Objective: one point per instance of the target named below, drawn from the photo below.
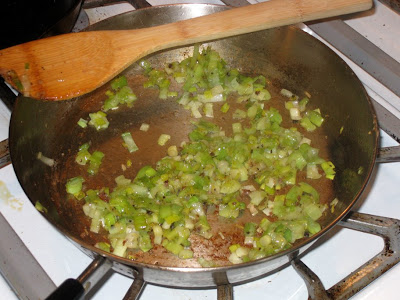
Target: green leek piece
(228, 211)
(144, 241)
(140, 222)
(146, 171)
(203, 227)
(83, 155)
(230, 186)
(74, 185)
(313, 211)
(123, 95)
(82, 123)
(303, 103)
(109, 220)
(265, 241)
(329, 169)
(225, 108)
(129, 143)
(293, 195)
(165, 211)
(257, 197)
(173, 247)
(264, 224)
(310, 154)
(307, 188)
(144, 127)
(13, 77)
(239, 114)
(206, 263)
(185, 254)
(122, 205)
(103, 246)
(95, 162)
(315, 117)
(118, 83)
(307, 124)
(297, 158)
(145, 65)
(98, 120)
(40, 207)
(163, 139)
(122, 181)
(250, 229)
(313, 227)
(312, 171)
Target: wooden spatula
(70, 65)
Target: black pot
(22, 21)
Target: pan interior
(288, 57)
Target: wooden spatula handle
(70, 65)
(265, 15)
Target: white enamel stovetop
(333, 259)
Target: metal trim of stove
(387, 228)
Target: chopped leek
(74, 185)
(129, 143)
(121, 94)
(163, 139)
(95, 162)
(329, 169)
(40, 207)
(82, 123)
(118, 83)
(258, 167)
(144, 127)
(83, 155)
(225, 108)
(98, 120)
(46, 160)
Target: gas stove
(332, 258)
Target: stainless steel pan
(287, 56)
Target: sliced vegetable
(258, 167)
(144, 127)
(74, 185)
(82, 123)
(83, 155)
(163, 139)
(46, 160)
(129, 143)
(95, 162)
(98, 120)
(121, 94)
